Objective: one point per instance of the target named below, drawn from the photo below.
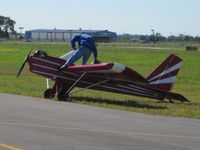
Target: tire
(48, 94)
(63, 97)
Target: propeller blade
(22, 67)
(23, 64)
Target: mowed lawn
(143, 60)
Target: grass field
(140, 58)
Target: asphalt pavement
(28, 123)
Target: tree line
(6, 27)
(157, 37)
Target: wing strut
(74, 83)
(89, 86)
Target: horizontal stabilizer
(176, 96)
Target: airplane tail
(164, 75)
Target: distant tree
(143, 38)
(124, 37)
(197, 38)
(181, 37)
(159, 37)
(6, 26)
(153, 38)
(156, 37)
(162, 38)
(189, 38)
(171, 38)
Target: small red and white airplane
(110, 77)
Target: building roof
(60, 30)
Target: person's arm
(95, 52)
(74, 40)
(94, 49)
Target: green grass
(141, 59)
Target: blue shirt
(84, 40)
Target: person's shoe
(61, 68)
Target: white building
(56, 35)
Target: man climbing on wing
(86, 46)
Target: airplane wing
(48, 67)
(109, 70)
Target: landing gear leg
(49, 93)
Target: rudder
(164, 75)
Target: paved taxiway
(28, 123)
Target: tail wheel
(48, 94)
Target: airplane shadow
(116, 102)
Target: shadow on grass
(128, 103)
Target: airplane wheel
(62, 97)
(48, 94)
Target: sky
(168, 17)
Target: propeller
(23, 64)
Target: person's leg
(77, 54)
(87, 53)
(67, 55)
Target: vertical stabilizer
(164, 75)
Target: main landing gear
(61, 95)
(58, 89)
